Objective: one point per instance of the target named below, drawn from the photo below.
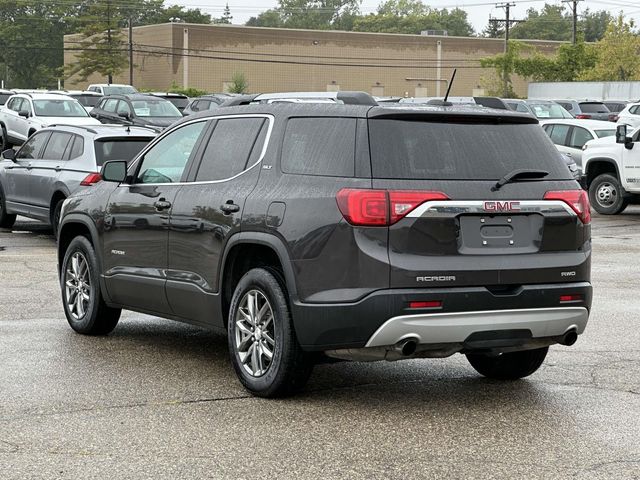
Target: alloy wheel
(255, 333)
(77, 285)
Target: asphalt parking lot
(157, 399)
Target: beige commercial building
(207, 56)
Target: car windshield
(119, 148)
(594, 107)
(119, 90)
(436, 150)
(155, 108)
(605, 133)
(88, 100)
(549, 110)
(59, 108)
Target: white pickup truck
(611, 168)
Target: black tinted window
(118, 148)
(594, 108)
(33, 147)
(56, 147)
(320, 146)
(408, 149)
(229, 147)
(4, 97)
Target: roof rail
(88, 129)
(347, 98)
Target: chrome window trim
(270, 118)
(477, 206)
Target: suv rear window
(320, 146)
(118, 148)
(594, 107)
(409, 149)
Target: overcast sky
(478, 10)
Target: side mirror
(24, 113)
(621, 136)
(9, 154)
(125, 115)
(114, 171)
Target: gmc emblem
(501, 206)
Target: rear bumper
(459, 327)
(384, 317)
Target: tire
(4, 140)
(55, 217)
(6, 220)
(508, 366)
(289, 368)
(605, 195)
(89, 316)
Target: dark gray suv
(55, 162)
(358, 232)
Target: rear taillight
(570, 298)
(576, 199)
(91, 179)
(614, 117)
(380, 208)
(427, 304)
(583, 116)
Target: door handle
(58, 168)
(230, 207)
(162, 204)
(568, 154)
(29, 167)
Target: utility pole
(507, 26)
(574, 9)
(110, 77)
(130, 52)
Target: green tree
(310, 14)
(567, 65)
(164, 15)
(504, 64)
(594, 25)
(617, 55)
(238, 83)
(226, 17)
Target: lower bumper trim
(456, 327)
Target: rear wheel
(262, 343)
(606, 196)
(81, 296)
(508, 366)
(6, 220)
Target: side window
(33, 147)
(166, 160)
(320, 146)
(566, 105)
(195, 106)
(579, 136)
(559, 134)
(13, 104)
(110, 105)
(77, 149)
(547, 129)
(228, 150)
(634, 110)
(206, 105)
(56, 146)
(123, 107)
(26, 105)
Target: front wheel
(81, 296)
(508, 366)
(6, 220)
(606, 196)
(264, 350)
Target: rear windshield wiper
(517, 175)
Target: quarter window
(123, 108)
(166, 160)
(33, 147)
(56, 146)
(320, 146)
(77, 149)
(228, 150)
(579, 136)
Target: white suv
(111, 89)
(630, 115)
(24, 114)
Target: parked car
(571, 135)
(4, 96)
(179, 101)
(587, 109)
(25, 113)
(630, 115)
(137, 109)
(572, 166)
(112, 89)
(489, 102)
(615, 106)
(541, 109)
(206, 102)
(612, 170)
(87, 99)
(55, 162)
(324, 229)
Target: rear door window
(229, 148)
(416, 149)
(559, 134)
(322, 146)
(77, 149)
(579, 136)
(56, 146)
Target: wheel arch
(58, 194)
(600, 165)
